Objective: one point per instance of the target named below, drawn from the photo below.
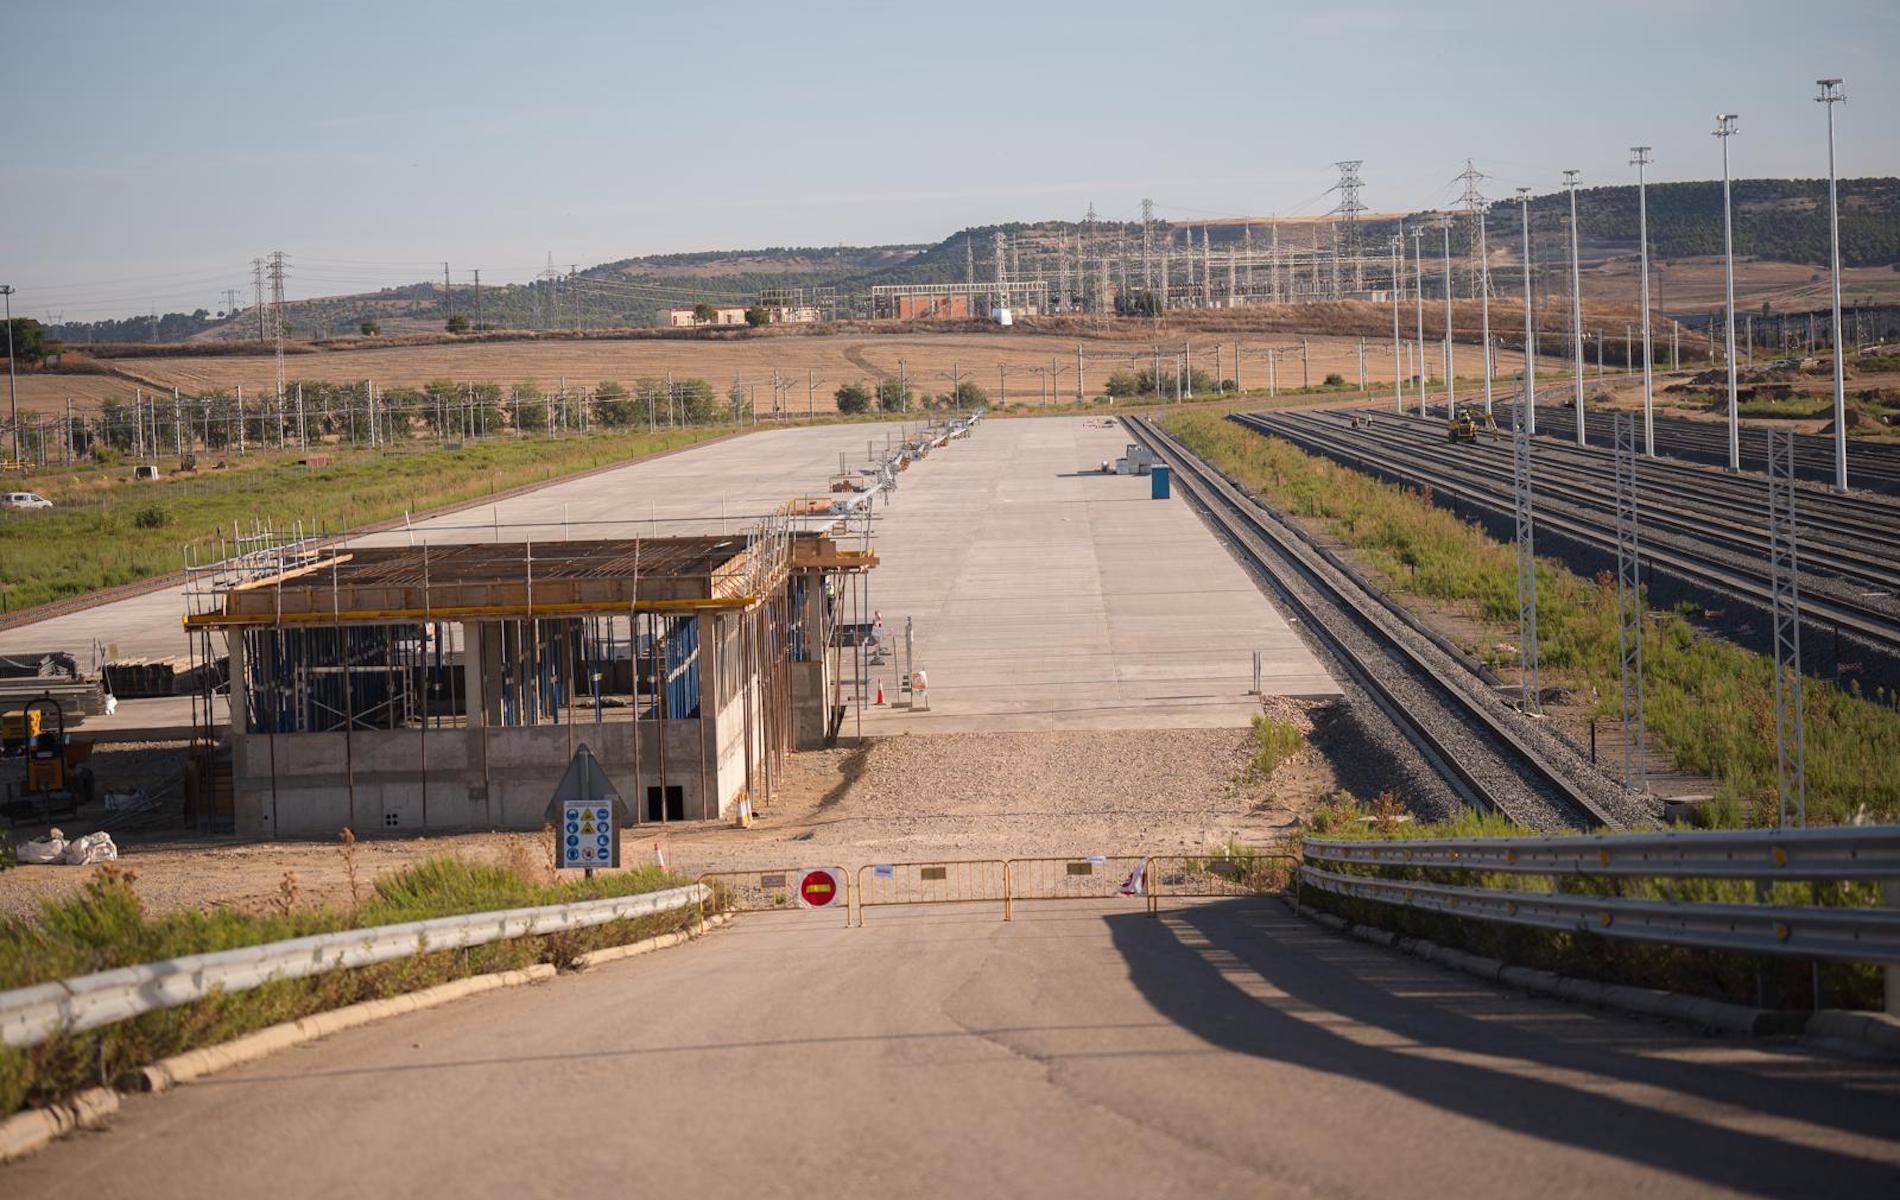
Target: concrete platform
(1046, 595)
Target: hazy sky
(157, 146)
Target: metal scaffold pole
(1629, 603)
(1529, 401)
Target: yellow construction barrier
(968, 881)
(773, 890)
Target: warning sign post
(586, 813)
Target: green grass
(104, 926)
(1795, 408)
(1732, 977)
(1707, 701)
(1274, 743)
(105, 532)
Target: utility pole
(278, 323)
(1484, 307)
(448, 296)
(478, 298)
(13, 399)
(1576, 305)
(1398, 378)
(1418, 295)
(1451, 398)
(1639, 158)
(1832, 94)
(257, 285)
(1725, 129)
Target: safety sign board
(586, 812)
(820, 887)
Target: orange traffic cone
(880, 691)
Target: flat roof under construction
(520, 579)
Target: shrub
(152, 516)
(852, 398)
(1335, 380)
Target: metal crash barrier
(971, 881)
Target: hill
(1776, 221)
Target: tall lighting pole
(12, 397)
(1398, 372)
(1576, 305)
(1451, 399)
(1484, 310)
(1529, 400)
(1418, 293)
(1831, 94)
(1725, 129)
(1639, 158)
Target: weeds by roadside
(104, 926)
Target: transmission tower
(230, 302)
(275, 268)
(1147, 244)
(1002, 273)
(1629, 603)
(969, 261)
(1785, 585)
(257, 287)
(1346, 228)
(1474, 203)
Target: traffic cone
(880, 692)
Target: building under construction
(409, 688)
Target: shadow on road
(1238, 974)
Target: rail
(31, 1015)
(1764, 858)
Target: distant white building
(724, 314)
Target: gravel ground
(920, 797)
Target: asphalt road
(1226, 1049)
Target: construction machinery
(1461, 427)
(57, 779)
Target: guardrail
(1835, 853)
(31, 1015)
(1762, 857)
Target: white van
(24, 500)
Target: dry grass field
(1027, 361)
(1696, 284)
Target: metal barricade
(1085, 877)
(1226, 873)
(972, 881)
(773, 890)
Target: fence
(1450, 876)
(31, 1015)
(973, 881)
(774, 889)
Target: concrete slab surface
(1044, 594)
(1086, 1049)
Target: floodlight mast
(1725, 129)
(1832, 94)
(1576, 305)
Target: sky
(157, 148)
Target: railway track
(1493, 757)
(1697, 529)
(1873, 466)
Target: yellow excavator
(1461, 426)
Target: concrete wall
(386, 782)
